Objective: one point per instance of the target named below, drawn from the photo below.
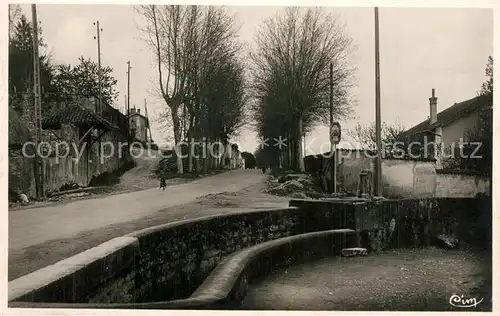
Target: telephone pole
(38, 106)
(98, 37)
(378, 169)
(147, 123)
(128, 100)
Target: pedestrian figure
(163, 183)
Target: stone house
(80, 143)
(448, 127)
(138, 125)
(98, 142)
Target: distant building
(138, 125)
(233, 158)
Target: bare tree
(291, 76)
(365, 135)
(191, 44)
(15, 13)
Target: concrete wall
(402, 178)
(170, 261)
(461, 185)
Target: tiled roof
(452, 113)
(76, 115)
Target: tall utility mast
(39, 179)
(128, 100)
(99, 86)
(378, 169)
(148, 126)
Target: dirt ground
(397, 280)
(37, 256)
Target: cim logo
(461, 302)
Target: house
(449, 127)
(138, 125)
(233, 158)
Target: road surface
(37, 225)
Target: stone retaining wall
(415, 222)
(175, 258)
(172, 260)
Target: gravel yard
(397, 280)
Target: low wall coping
(215, 288)
(186, 222)
(36, 280)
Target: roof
(453, 113)
(137, 113)
(18, 132)
(76, 115)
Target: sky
(420, 49)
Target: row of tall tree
(290, 81)
(59, 82)
(200, 78)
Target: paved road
(36, 225)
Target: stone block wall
(170, 261)
(175, 259)
(21, 174)
(411, 222)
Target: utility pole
(99, 83)
(128, 101)
(38, 106)
(378, 169)
(147, 122)
(99, 87)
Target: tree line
(211, 88)
(200, 79)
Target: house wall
(457, 129)
(139, 123)
(62, 168)
(86, 162)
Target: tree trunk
(300, 154)
(191, 143)
(206, 156)
(177, 137)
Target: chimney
(433, 108)
(139, 111)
